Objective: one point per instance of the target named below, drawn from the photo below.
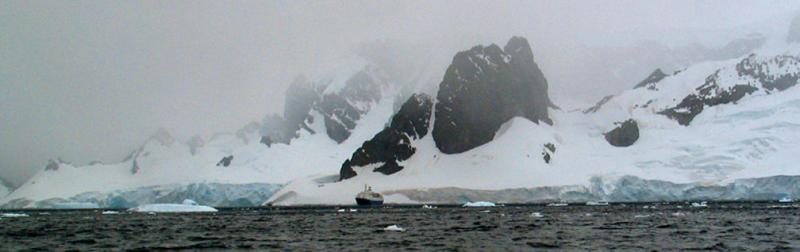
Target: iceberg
(479, 204)
(13, 215)
(395, 228)
(188, 206)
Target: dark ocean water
(726, 227)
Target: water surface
(728, 226)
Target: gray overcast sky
(87, 80)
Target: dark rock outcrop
(652, 79)
(483, 88)
(135, 167)
(393, 144)
(225, 161)
(763, 72)
(341, 110)
(52, 165)
(547, 152)
(598, 105)
(301, 96)
(625, 134)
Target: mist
(91, 80)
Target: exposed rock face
(598, 105)
(547, 152)
(274, 130)
(341, 110)
(625, 134)
(225, 161)
(301, 96)
(485, 87)
(135, 167)
(651, 80)
(393, 144)
(773, 74)
(51, 165)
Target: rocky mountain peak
(519, 49)
(654, 77)
(483, 88)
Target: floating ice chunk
(109, 212)
(187, 206)
(428, 207)
(641, 216)
(701, 204)
(353, 210)
(485, 211)
(394, 228)
(479, 204)
(595, 203)
(537, 215)
(340, 210)
(14, 215)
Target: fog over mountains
(312, 120)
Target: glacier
(211, 194)
(188, 206)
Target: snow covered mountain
(709, 131)
(325, 118)
(488, 130)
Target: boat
(595, 203)
(369, 198)
(785, 200)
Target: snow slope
(163, 160)
(752, 137)
(725, 143)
